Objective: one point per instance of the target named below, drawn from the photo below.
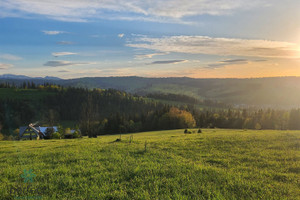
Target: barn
(37, 132)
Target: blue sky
(163, 38)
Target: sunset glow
(197, 38)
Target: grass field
(216, 164)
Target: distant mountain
(12, 76)
(281, 92)
(22, 77)
(52, 78)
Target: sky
(161, 38)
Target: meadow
(215, 164)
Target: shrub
(199, 130)
(187, 131)
(55, 135)
(9, 138)
(258, 126)
(77, 134)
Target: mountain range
(281, 92)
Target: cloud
(167, 62)
(5, 66)
(57, 54)
(224, 63)
(234, 61)
(65, 63)
(143, 56)
(53, 32)
(217, 46)
(65, 43)
(63, 71)
(9, 57)
(121, 35)
(159, 10)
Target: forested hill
(280, 92)
(109, 111)
(275, 92)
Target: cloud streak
(53, 32)
(167, 62)
(9, 57)
(57, 54)
(218, 46)
(65, 63)
(65, 43)
(63, 71)
(144, 56)
(159, 10)
(5, 66)
(225, 63)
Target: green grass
(217, 164)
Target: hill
(107, 111)
(217, 164)
(277, 92)
(264, 92)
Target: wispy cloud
(235, 61)
(224, 63)
(5, 66)
(63, 71)
(65, 43)
(57, 54)
(53, 32)
(65, 63)
(143, 56)
(9, 57)
(121, 35)
(167, 62)
(218, 46)
(159, 10)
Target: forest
(109, 111)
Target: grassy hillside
(217, 164)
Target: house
(32, 131)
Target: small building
(37, 132)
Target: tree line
(111, 111)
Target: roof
(22, 130)
(36, 130)
(44, 129)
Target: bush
(199, 131)
(55, 135)
(77, 134)
(258, 126)
(187, 131)
(9, 138)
